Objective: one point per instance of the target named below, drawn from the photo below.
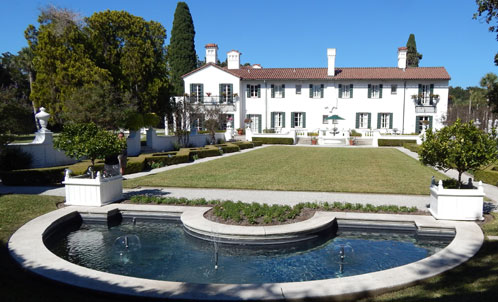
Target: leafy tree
(185, 113)
(461, 146)
(488, 9)
(412, 56)
(88, 140)
(110, 53)
(62, 60)
(213, 120)
(181, 51)
(100, 104)
(13, 116)
(132, 51)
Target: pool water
(162, 250)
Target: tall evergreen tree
(412, 56)
(181, 51)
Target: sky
(279, 33)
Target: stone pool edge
(28, 249)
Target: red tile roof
(211, 45)
(349, 73)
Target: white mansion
(392, 99)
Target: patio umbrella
(334, 117)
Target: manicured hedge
(395, 142)
(412, 147)
(244, 145)
(33, 177)
(202, 152)
(257, 144)
(488, 175)
(274, 140)
(228, 148)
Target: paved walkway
(270, 197)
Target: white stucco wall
(401, 104)
(211, 77)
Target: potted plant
(240, 131)
(462, 147)
(314, 140)
(92, 142)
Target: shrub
(312, 133)
(244, 145)
(88, 140)
(395, 142)
(257, 144)
(354, 133)
(412, 147)
(207, 151)
(34, 177)
(229, 148)
(269, 131)
(488, 175)
(461, 146)
(12, 158)
(274, 140)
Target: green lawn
(475, 280)
(366, 170)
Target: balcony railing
(216, 99)
(425, 109)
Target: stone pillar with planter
(457, 204)
(97, 191)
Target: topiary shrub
(395, 142)
(274, 140)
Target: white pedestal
(93, 192)
(457, 204)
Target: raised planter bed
(96, 192)
(457, 204)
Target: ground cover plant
(366, 170)
(255, 213)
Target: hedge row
(395, 142)
(274, 140)
(228, 148)
(135, 164)
(488, 175)
(412, 147)
(244, 145)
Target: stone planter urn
(457, 204)
(95, 192)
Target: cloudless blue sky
(278, 33)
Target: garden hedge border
(274, 140)
(395, 142)
(135, 164)
(487, 175)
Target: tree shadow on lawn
(145, 191)
(474, 280)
